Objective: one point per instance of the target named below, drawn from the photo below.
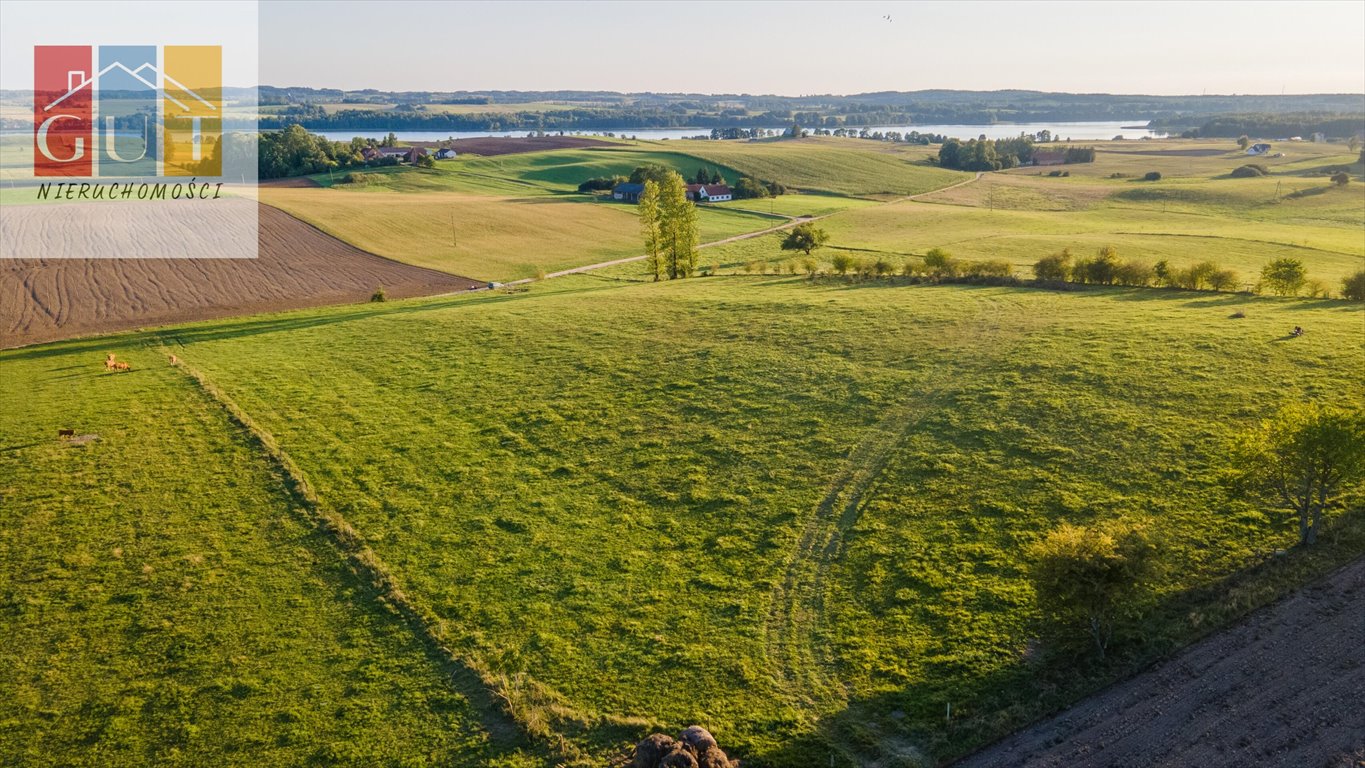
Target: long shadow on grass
(955, 713)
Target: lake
(1078, 131)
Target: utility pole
(453, 243)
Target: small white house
(708, 193)
(445, 153)
(1258, 149)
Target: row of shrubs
(1284, 277)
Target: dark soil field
(496, 145)
(298, 266)
(1281, 689)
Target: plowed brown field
(1283, 688)
(298, 266)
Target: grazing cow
(175, 360)
(122, 367)
(66, 433)
(109, 362)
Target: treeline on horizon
(1265, 125)
(615, 111)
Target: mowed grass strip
(163, 604)
(603, 487)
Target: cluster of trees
(668, 221)
(1331, 124)
(1304, 462)
(982, 154)
(749, 188)
(703, 176)
(601, 183)
(296, 152)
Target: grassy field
(611, 489)
(1195, 213)
(164, 602)
(514, 216)
(486, 237)
(854, 167)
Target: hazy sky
(797, 48)
(787, 48)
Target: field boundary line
(513, 708)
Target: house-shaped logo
(127, 110)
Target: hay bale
(678, 758)
(697, 738)
(649, 752)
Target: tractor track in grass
(798, 653)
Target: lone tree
(1087, 578)
(805, 237)
(1341, 178)
(1243, 142)
(1284, 277)
(1305, 460)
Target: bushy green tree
(652, 172)
(1055, 268)
(805, 237)
(1305, 460)
(842, 263)
(1353, 287)
(747, 188)
(1087, 579)
(939, 263)
(1284, 277)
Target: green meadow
(525, 527)
(606, 493)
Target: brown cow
(66, 433)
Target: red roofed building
(708, 193)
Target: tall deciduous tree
(1304, 460)
(678, 227)
(651, 225)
